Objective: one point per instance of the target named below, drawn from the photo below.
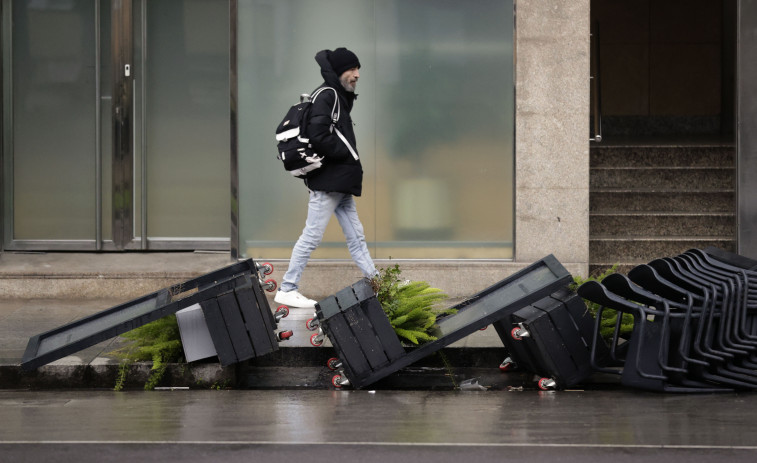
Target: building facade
(139, 126)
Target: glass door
(116, 125)
(51, 151)
(181, 50)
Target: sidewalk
(123, 277)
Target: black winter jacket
(341, 172)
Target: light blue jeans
(320, 209)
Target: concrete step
(668, 178)
(621, 199)
(659, 156)
(126, 276)
(654, 223)
(120, 276)
(598, 268)
(609, 250)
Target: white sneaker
(293, 299)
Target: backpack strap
(335, 113)
(344, 139)
(336, 110)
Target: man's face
(349, 78)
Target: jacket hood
(329, 75)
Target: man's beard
(347, 86)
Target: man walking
(333, 186)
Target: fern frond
(158, 341)
(407, 334)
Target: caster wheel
(316, 339)
(270, 285)
(336, 380)
(519, 332)
(265, 268)
(507, 365)
(547, 384)
(515, 333)
(334, 363)
(312, 324)
(281, 312)
(284, 335)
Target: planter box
(234, 325)
(240, 281)
(368, 348)
(551, 338)
(241, 325)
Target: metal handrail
(596, 81)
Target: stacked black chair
(694, 326)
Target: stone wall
(552, 131)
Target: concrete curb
(213, 376)
(472, 369)
(288, 368)
(103, 376)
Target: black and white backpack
(294, 148)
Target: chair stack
(693, 323)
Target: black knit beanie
(342, 59)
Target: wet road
(383, 426)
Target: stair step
(668, 178)
(670, 156)
(598, 268)
(662, 224)
(614, 249)
(612, 199)
(653, 200)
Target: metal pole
(98, 136)
(746, 139)
(233, 17)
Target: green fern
(158, 341)
(411, 306)
(123, 370)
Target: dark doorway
(666, 68)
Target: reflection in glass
(53, 115)
(434, 123)
(187, 118)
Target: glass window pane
(434, 123)
(444, 128)
(276, 50)
(187, 119)
(53, 117)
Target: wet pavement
(369, 426)
(293, 414)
